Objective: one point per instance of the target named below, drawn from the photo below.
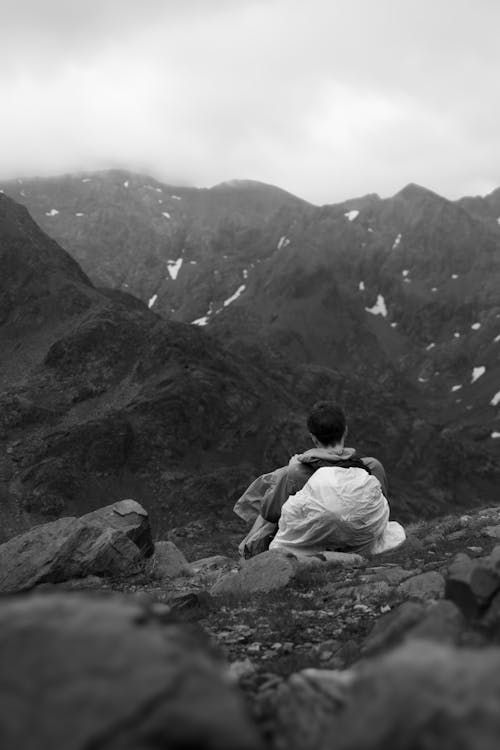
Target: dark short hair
(327, 422)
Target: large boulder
(81, 671)
(129, 517)
(64, 549)
(422, 696)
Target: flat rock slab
(430, 585)
(129, 517)
(266, 572)
(65, 549)
(81, 671)
(422, 695)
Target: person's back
(342, 509)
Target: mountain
(333, 301)
(160, 242)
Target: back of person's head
(327, 422)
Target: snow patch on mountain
(396, 242)
(52, 212)
(166, 214)
(152, 300)
(455, 387)
(200, 321)
(496, 339)
(405, 272)
(476, 326)
(496, 399)
(477, 372)
(430, 346)
(174, 197)
(456, 335)
(283, 242)
(454, 275)
(79, 214)
(174, 266)
(245, 273)
(126, 184)
(379, 308)
(351, 215)
(495, 435)
(434, 289)
(87, 179)
(361, 286)
(234, 296)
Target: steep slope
(100, 397)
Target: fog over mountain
(326, 99)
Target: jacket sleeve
(276, 495)
(378, 471)
(288, 480)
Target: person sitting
(327, 498)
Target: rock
(169, 562)
(443, 623)
(129, 517)
(65, 549)
(393, 576)
(472, 583)
(420, 696)
(238, 670)
(210, 564)
(81, 671)
(194, 605)
(390, 629)
(303, 706)
(266, 572)
(491, 531)
(430, 585)
(458, 587)
(332, 559)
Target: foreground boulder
(423, 696)
(82, 671)
(74, 548)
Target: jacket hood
(314, 455)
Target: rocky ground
(305, 641)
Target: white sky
(324, 98)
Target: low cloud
(326, 99)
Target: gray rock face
(129, 517)
(169, 562)
(64, 549)
(423, 696)
(81, 671)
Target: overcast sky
(324, 98)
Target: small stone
(169, 562)
(238, 670)
(430, 585)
